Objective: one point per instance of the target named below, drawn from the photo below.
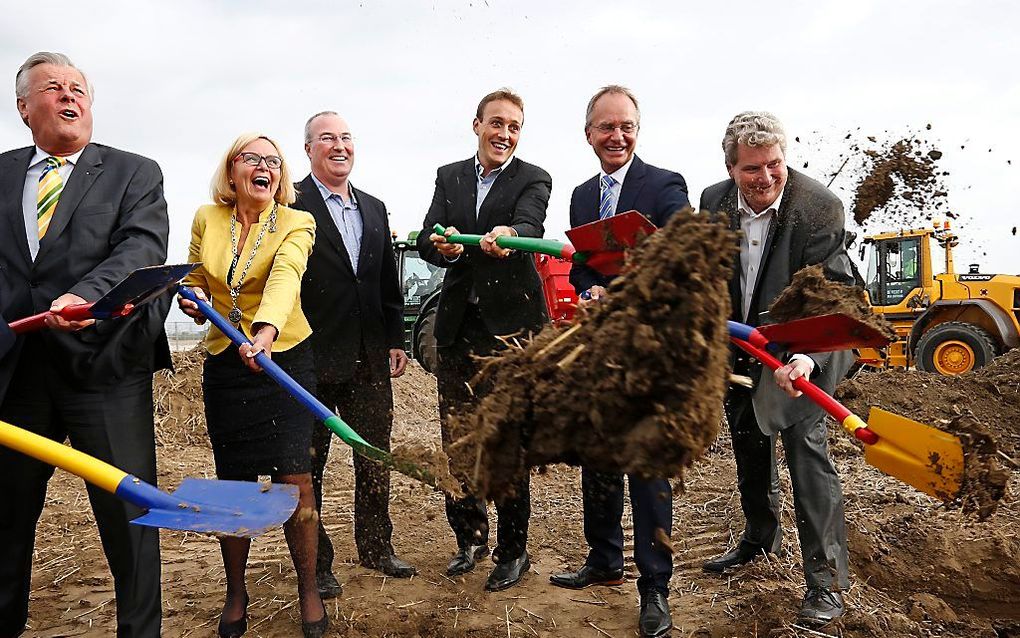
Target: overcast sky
(177, 81)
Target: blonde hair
(223, 192)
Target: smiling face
(498, 132)
(58, 109)
(333, 159)
(255, 186)
(760, 174)
(613, 147)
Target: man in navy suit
(625, 183)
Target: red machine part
(559, 294)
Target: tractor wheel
(425, 341)
(953, 348)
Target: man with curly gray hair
(788, 221)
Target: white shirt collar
(41, 155)
(619, 174)
(744, 209)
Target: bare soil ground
(919, 568)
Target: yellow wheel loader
(949, 323)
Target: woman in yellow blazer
(254, 250)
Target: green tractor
(419, 282)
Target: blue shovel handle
(306, 398)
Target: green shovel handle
(524, 244)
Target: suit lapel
(84, 175)
(632, 185)
(371, 229)
(589, 203)
(728, 206)
(324, 223)
(468, 196)
(12, 190)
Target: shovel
(141, 286)
(919, 455)
(231, 508)
(599, 245)
(824, 333)
(316, 407)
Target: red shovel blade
(826, 333)
(613, 234)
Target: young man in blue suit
(624, 183)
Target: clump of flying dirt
(900, 182)
(635, 386)
(429, 463)
(810, 294)
(984, 480)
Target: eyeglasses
(254, 159)
(626, 128)
(330, 139)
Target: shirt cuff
(804, 357)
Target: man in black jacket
(788, 221)
(351, 296)
(77, 218)
(487, 292)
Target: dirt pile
(900, 182)
(635, 386)
(810, 294)
(981, 407)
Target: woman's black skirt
(257, 428)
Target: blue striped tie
(606, 204)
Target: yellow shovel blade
(922, 456)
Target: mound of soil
(179, 412)
(635, 386)
(981, 407)
(810, 294)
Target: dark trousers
(468, 516)
(365, 402)
(652, 508)
(817, 494)
(114, 425)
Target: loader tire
(953, 348)
(425, 341)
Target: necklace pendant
(235, 315)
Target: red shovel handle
(76, 312)
(835, 409)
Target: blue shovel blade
(230, 508)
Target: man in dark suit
(787, 221)
(78, 217)
(487, 292)
(625, 183)
(351, 296)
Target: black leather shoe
(655, 619)
(508, 574)
(328, 585)
(316, 629)
(237, 628)
(392, 567)
(464, 560)
(587, 576)
(821, 606)
(742, 554)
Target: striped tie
(606, 203)
(50, 186)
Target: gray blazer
(808, 230)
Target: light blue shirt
(484, 184)
(347, 217)
(30, 198)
